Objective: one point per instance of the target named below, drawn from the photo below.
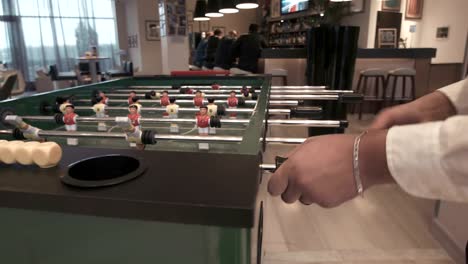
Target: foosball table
(147, 170)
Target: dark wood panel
(444, 74)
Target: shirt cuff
(458, 94)
(414, 159)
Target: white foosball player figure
(173, 112)
(134, 117)
(100, 109)
(62, 102)
(132, 133)
(203, 125)
(199, 99)
(29, 132)
(212, 111)
(232, 102)
(69, 118)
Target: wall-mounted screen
(293, 6)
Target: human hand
(433, 107)
(321, 169)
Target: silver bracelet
(356, 171)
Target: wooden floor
(386, 226)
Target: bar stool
(403, 73)
(378, 75)
(280, 73)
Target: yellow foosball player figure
(173, 112)
(62, 103)
(212, 111)
(99, 107)
(69, 119)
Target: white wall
(131, 17)
(436, 13)
(360, 20)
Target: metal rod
(275, 91)
(248, 102)
(233, 87)
(304, 97)
(217, 139)
(275, 122)
(268, 167)
(189, 110)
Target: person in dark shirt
(211, 47)
(223, 58)
(248, 49)
(200, 53)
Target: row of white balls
(44, 155)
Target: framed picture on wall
(357, 6)
(204, 26)
(153, 30)
(442, 33)
(391, 5)
(387, 38)
(414, 9)
(223, 29)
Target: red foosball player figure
(130, 97)
(165, 99)
(203, 121)
(104, 97)
(203, 124)
(198, 100)
(215, 86)
(134, 116)
(232, 102)
(69, 118)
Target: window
(58, 32)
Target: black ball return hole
(103, 171)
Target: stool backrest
(5, 90)
(53, 72)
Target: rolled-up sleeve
(458, 95)
(430, 160)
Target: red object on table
(200, 73)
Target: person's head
(218, 33)
(232, 34)
(203, 110)
(172, 100)
(165, 93)
(70, 109)
(209, 34)
(211, 100)
(232, 93)
(253, 28)
(132, 94)
(198, 93)
(133, 109)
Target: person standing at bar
(211, 48)
(223, 58)
(200, 53)
(248, 49)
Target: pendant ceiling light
(246, 4)
(228, 7)
(212, 9)
(200, 10)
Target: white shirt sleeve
(458, 95)
(430, 160)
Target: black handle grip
(279, 161)
(351, 98)
(312, 112)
